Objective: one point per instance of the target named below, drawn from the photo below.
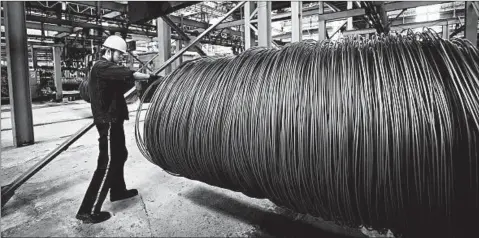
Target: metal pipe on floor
(18, 75)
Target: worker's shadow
(269, 223)
(32, 193)
(122, 205)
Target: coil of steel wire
(84, 91)
(142, 86)
(71, 83)
(380, 132)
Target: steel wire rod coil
(71, 84)
(380, 132)
(84, 91)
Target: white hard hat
(115, 42)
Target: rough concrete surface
(167, 205)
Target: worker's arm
(110, 71)
(141, 76)
(121, 73)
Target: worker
(109, 109)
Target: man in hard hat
(108, 105)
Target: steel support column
(18, 75)
(193, 42)
(264, 24)
(249, 36)
(471, 23)
(178, 48)
(385, 26)
(445, 32)
(349, 25)
(322, 23)
(57, 68)
(182, 34)
(164, 45)
(34, 57)
(296, 21)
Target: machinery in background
(42, 84)
(35, 87)
(5, 93)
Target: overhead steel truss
(68, 18)
(338, 15)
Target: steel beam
(476, 7)
(57, 68)
(340, 15)
(296, 21)
(202, 25)
(178, 48)
(393, 6)
(46, 27)
(322, 23)
(133, 32)
(471, 23)
(77, 24)
(249, 38)
(349, 25)
(189, 22)
(383, 16)
(264, 24)
(287, 35)
(256, 33)
(229, 24)
(164, 45)
(115, 6)
(18, 75)
(177, 20)
(182, 34)
(399, 27)
(445, 32)
(178, 54)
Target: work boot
(123, 195)
(94, 218)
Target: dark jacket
(106, 86)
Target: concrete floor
(167, 206)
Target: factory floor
(167, 205)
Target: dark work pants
(109, 172)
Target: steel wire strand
(379, 132)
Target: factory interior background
(233, 128)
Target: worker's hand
(140, 76)
(154, 77)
